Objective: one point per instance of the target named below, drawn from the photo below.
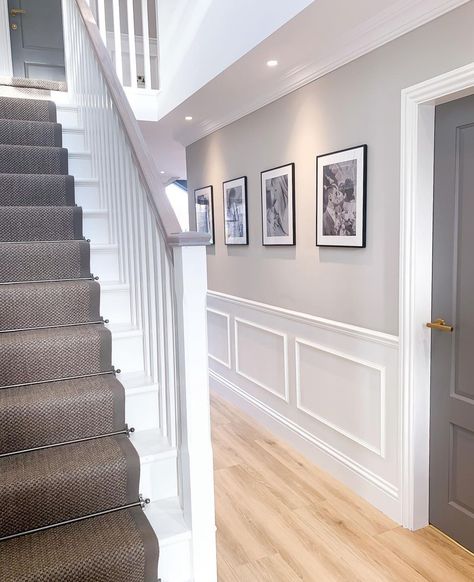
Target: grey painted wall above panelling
(358, 103)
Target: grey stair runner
(30, 110)
(30, 305)
(47, 486)
(118, 547)
(48, 261)
(67, 467)
(61, 411)
(14, 132)
(36, 190)
(19, 159)
(40, 223)
(58, 352)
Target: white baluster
(117, 39)
(102, 24)
(146, 44)
(132, 49)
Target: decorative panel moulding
(320, 322)
(219, 339)
(264, 352)
(342, 392)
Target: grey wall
(358, 103)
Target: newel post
(190, 270)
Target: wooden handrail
(159, 203)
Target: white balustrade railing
(164, 267)
(129, 29)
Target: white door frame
(416, 238)
(6, 66)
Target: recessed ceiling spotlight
(272, 63)
(188, 118)
(162, 171)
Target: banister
(157, 199)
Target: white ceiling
(324, 36)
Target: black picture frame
(355, 216)
(205, 191)
(280, 239)
(237, 241)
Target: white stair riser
(115, 305)
(74, 139)
(141, 409)
(159, 478)
(127, 352)
(96, 226)
(87, 194)
(80, 165)
(175, 562)
(104, 263)
(68, 116)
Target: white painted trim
(380, 451)
(228, 363)
(396, 20)
(125, 44)
(237, 320)
(6, 65)
(328, 324)
(416, 238)
(368, 476)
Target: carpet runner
(69, 475)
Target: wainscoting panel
(261, 356)
(328, 388)
(345, 393)
(218, 326)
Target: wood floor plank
(281, 519)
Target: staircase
(67, 458)
(69, 487)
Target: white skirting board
(329, 389)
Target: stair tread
(56, 412)
(40, 223)
(27, 109)
(36, 133)
(150, 444)
(38, 261)
(39, 355)
(27, 159)
(119, 546)
(36, 189)
(32, 305)
(167, 520)
(48, 486)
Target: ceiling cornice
(393, 22)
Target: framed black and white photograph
(278, 205)
(341, 193)
(235, 211)
(203, 200)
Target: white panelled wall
(329, 389)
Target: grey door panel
(37, 42)
(452, 374)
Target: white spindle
(117, 39)
(132, 49)
(146, 44)
(102, 23)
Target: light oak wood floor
(281, 519)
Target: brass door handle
(440, 325)
(17, 11)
